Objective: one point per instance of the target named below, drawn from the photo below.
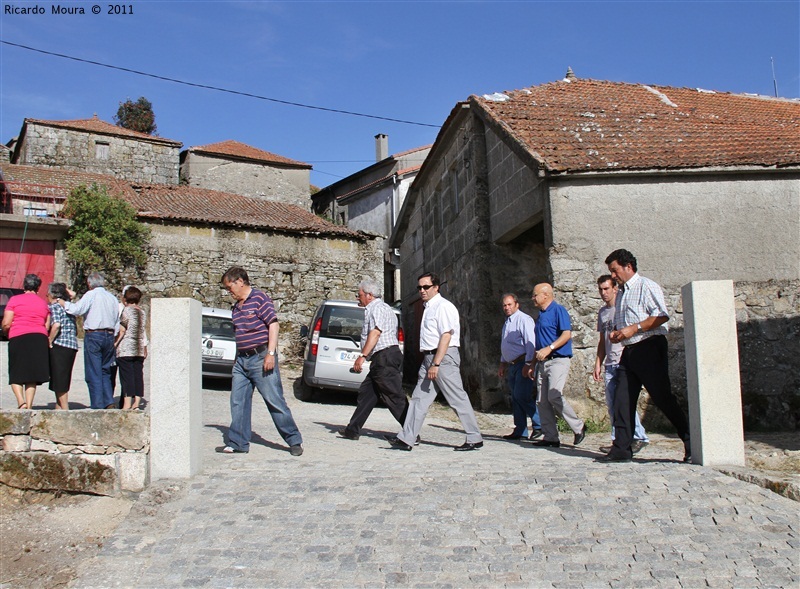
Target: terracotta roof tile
(589, 125)
(95, 125)
(239, 150)
(198, 205)
(41, 182)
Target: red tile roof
(54, 183)
(198, 205)
(238, 150)
(589, 125)
(95, 125)
(176, 203)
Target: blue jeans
(523, 403)
(248, 374)
(98, 359)
(611, 389)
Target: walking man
(610, 352)
(380, 346)
(553, 353)
(439, 340)
(256, 325)
(640, 325)
(517, 347)
(100, 312)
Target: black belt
(383, 350)
(553, 358)
(517, 361)
(94, 330)
(426, 352)
(252, 351)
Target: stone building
(230, 166)
(540, 184)
(197, 234)
(370, 200)
(95, 146)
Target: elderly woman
(63, 344)
(27, 322)
(131, 348)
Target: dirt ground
(44, 537)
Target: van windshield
(218, 327)
(342, 323)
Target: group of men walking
(535, 359)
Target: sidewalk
(361, 514)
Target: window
(32, 211)
(454, 190)
(101, 150)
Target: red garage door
(32, 257)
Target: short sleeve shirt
(551, 323)
(440, 316)
(605, 325)
(67, 333)
(30, 314)
(251, 320)
(638, 299)
(379, 315)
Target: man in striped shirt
(380, 346)
(640, 325)
(256, 326)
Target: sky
(410, 61)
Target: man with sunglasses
(439, 340)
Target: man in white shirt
(439, 341)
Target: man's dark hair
(132, 295)
(605, 278)
(434, 278)
(235, 273)
(623, 258)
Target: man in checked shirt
(641, 327)
(380, 346)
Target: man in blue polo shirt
(256, 325)
(553, 352)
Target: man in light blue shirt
(100, 311)
(517, 346)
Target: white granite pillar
(712, 373)
(176, 389)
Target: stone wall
(154, 162)
(93, 451)
(257, 180)
(297, 271)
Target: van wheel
(304, 392)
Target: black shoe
(547, 444)
(638, 446)
(346, 434)
(398, 443)
(467, 446)
(229, 450)
(512, 437)
(535, 435)
(687, 457)
(416, 442)
(580, 436)
(612, 458)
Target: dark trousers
(131, 375)
(644, 364)
(384, 381)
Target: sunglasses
(425, 287)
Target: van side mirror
(303, 331)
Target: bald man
(551, 365)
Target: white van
(218, 343)
(333, 344)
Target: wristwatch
(272, 352)
(437, 365)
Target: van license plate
(213, 353)
(348, 356)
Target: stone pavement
(361, 514)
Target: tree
(105, 236)
(137, 116)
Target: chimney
(381, 147)
(570, 74)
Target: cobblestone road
(361, 514)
